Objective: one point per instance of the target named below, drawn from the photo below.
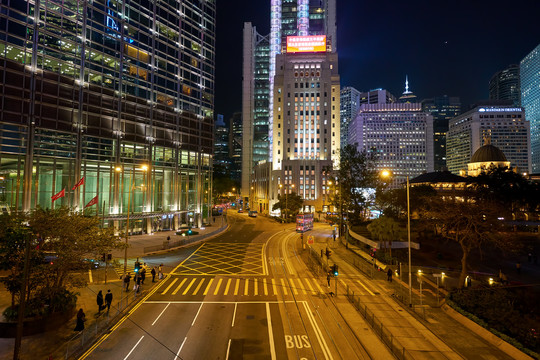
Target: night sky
(445, 47)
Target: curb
(485, 334)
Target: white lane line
(181, 346)
(160, 314)
(134, 347)
(200, 307)
(318, 333)
(228, 348)
(234, 315)
(270, 333)
(364, 286)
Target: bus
(304, 222)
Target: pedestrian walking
(137, 285)
(328, 279)
(127, 278)
(160, 271)
(81, 318)
(143, 275)
(518, 268)
(389, 275)
(108, 300)
(99, 301)
(153, 272)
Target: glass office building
(119, 93)
(530, 100)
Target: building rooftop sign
(301, 44)
(500, 109)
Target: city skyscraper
(377, 96)
(530, 100)
(505, 85)
(400, 135)
(350, 103)
(407, 96)
(503, 126)
(221, 143)
(287, 18)
(118, 94)
(443, 109)
(235, 145)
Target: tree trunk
(463, 274)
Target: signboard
(302, 44)
(310, 240)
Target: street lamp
(386, 173)
(132, 187)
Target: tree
(393, 202)
(470, 224)
(222, 183)
(386, 230)
(355, 175)
(289, 204)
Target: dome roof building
(485, 157)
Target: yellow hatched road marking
(265, 286)
(302, 287)
(217, 286)
(342, 282)
(283, 286)
(293, 287)
(318, 286)
(189, 286)
(255, 287)
(168, 287)
(208, 286)
(309, 285)
(179, 286)
(246, 287)
(364, 286)
(227, 287)
(274, 287)
(198, 287)
(236, 286)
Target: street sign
(311, 239)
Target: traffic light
(335, 270)
(189, 232)
(137, 266)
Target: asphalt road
(243, 295)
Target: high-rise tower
(530, 100)
(505, 85)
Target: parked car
(240, 210)
(252, 213)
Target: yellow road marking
(309, 285)
(236, 286)
(179, 286)
(227, 287)
(283, 286)
(168, 287)
(318, 286)
(302, 287)
(246, 287)
(369, 291)
(208, 286)
(265, 287)
(256, 287)
(274, 287)
(198, 287)
(189, 286)
(218, 286)
(294, 289)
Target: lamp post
(131, 189)
(386, 173)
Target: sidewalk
(64, 340)
(406, 331)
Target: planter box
(37, 326)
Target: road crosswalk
(264, 286)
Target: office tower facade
(350, 103)
(255, 102)
(307, 126)
(400, 135)
(221, 143)
(504, 127)
(443, 109)
(287, 18)
(530, 100)
(505, 85)
(118, 94)
(377, 96)
(235, 145)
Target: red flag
(92, 202)
(61, 194)
(81, 182)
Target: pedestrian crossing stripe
(250, 286)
